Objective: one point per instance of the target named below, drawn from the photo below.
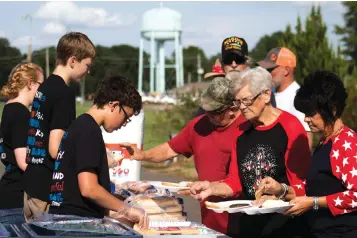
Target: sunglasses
(246, 101)
(271, 69)
(229, 58)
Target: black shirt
(53, 108)
(280, 151)
(82, 148)
(321, 181)
(14, 127)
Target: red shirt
(211, 147)
(279, 150)
(343, 157)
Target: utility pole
(29, 48)
(82, 87)
(199, 68)
(47, 63)
(189, 78)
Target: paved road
(191, 206)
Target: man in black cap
(234, 52)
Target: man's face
(220, 117)
(233, 62)
(277, 74)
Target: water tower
(160, 25)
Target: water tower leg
(152, 62)
(181, 61)
(157, 65)
(141, 59)
(162, 67)
(177, 58)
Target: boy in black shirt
(80, 182)
(53, 109)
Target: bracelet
(286, 189)
(315, 203)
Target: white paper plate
(225, 206)
(262, 210)
(158, 184)
(250, 210)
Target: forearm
(221, 190)
(322, 202)
(159, 153)
(104, 199)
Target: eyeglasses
(127, 118)
(218, 111)
(229, 58)
(246, 101)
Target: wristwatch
(315, 203)
(286, 189)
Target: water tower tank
(164, 22)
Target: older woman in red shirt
(272, 143)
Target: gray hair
(258, 79)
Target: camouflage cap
(217, 95)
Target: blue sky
(205, 24)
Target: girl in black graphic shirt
(20, 90)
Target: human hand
(262, 199)
(136, 215)
(301, 205)
(270, 186)
(136, 154)
(201, 190)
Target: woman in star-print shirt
(272, 143)
(331, 182)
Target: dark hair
(118, 88)
(323, 92)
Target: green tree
(349, 31)
(311, 46)
(9, 58)
(39, 57)
(190, 62)
(265, 44)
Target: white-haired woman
(272, 143)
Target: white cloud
(2, 33)
(54, 28)
(25, 40)
(71, 13)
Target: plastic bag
(70, 223)
(3, 231)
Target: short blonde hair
(19, 78)
(74, 44)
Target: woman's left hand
(301, 205)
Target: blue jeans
(12, 216)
